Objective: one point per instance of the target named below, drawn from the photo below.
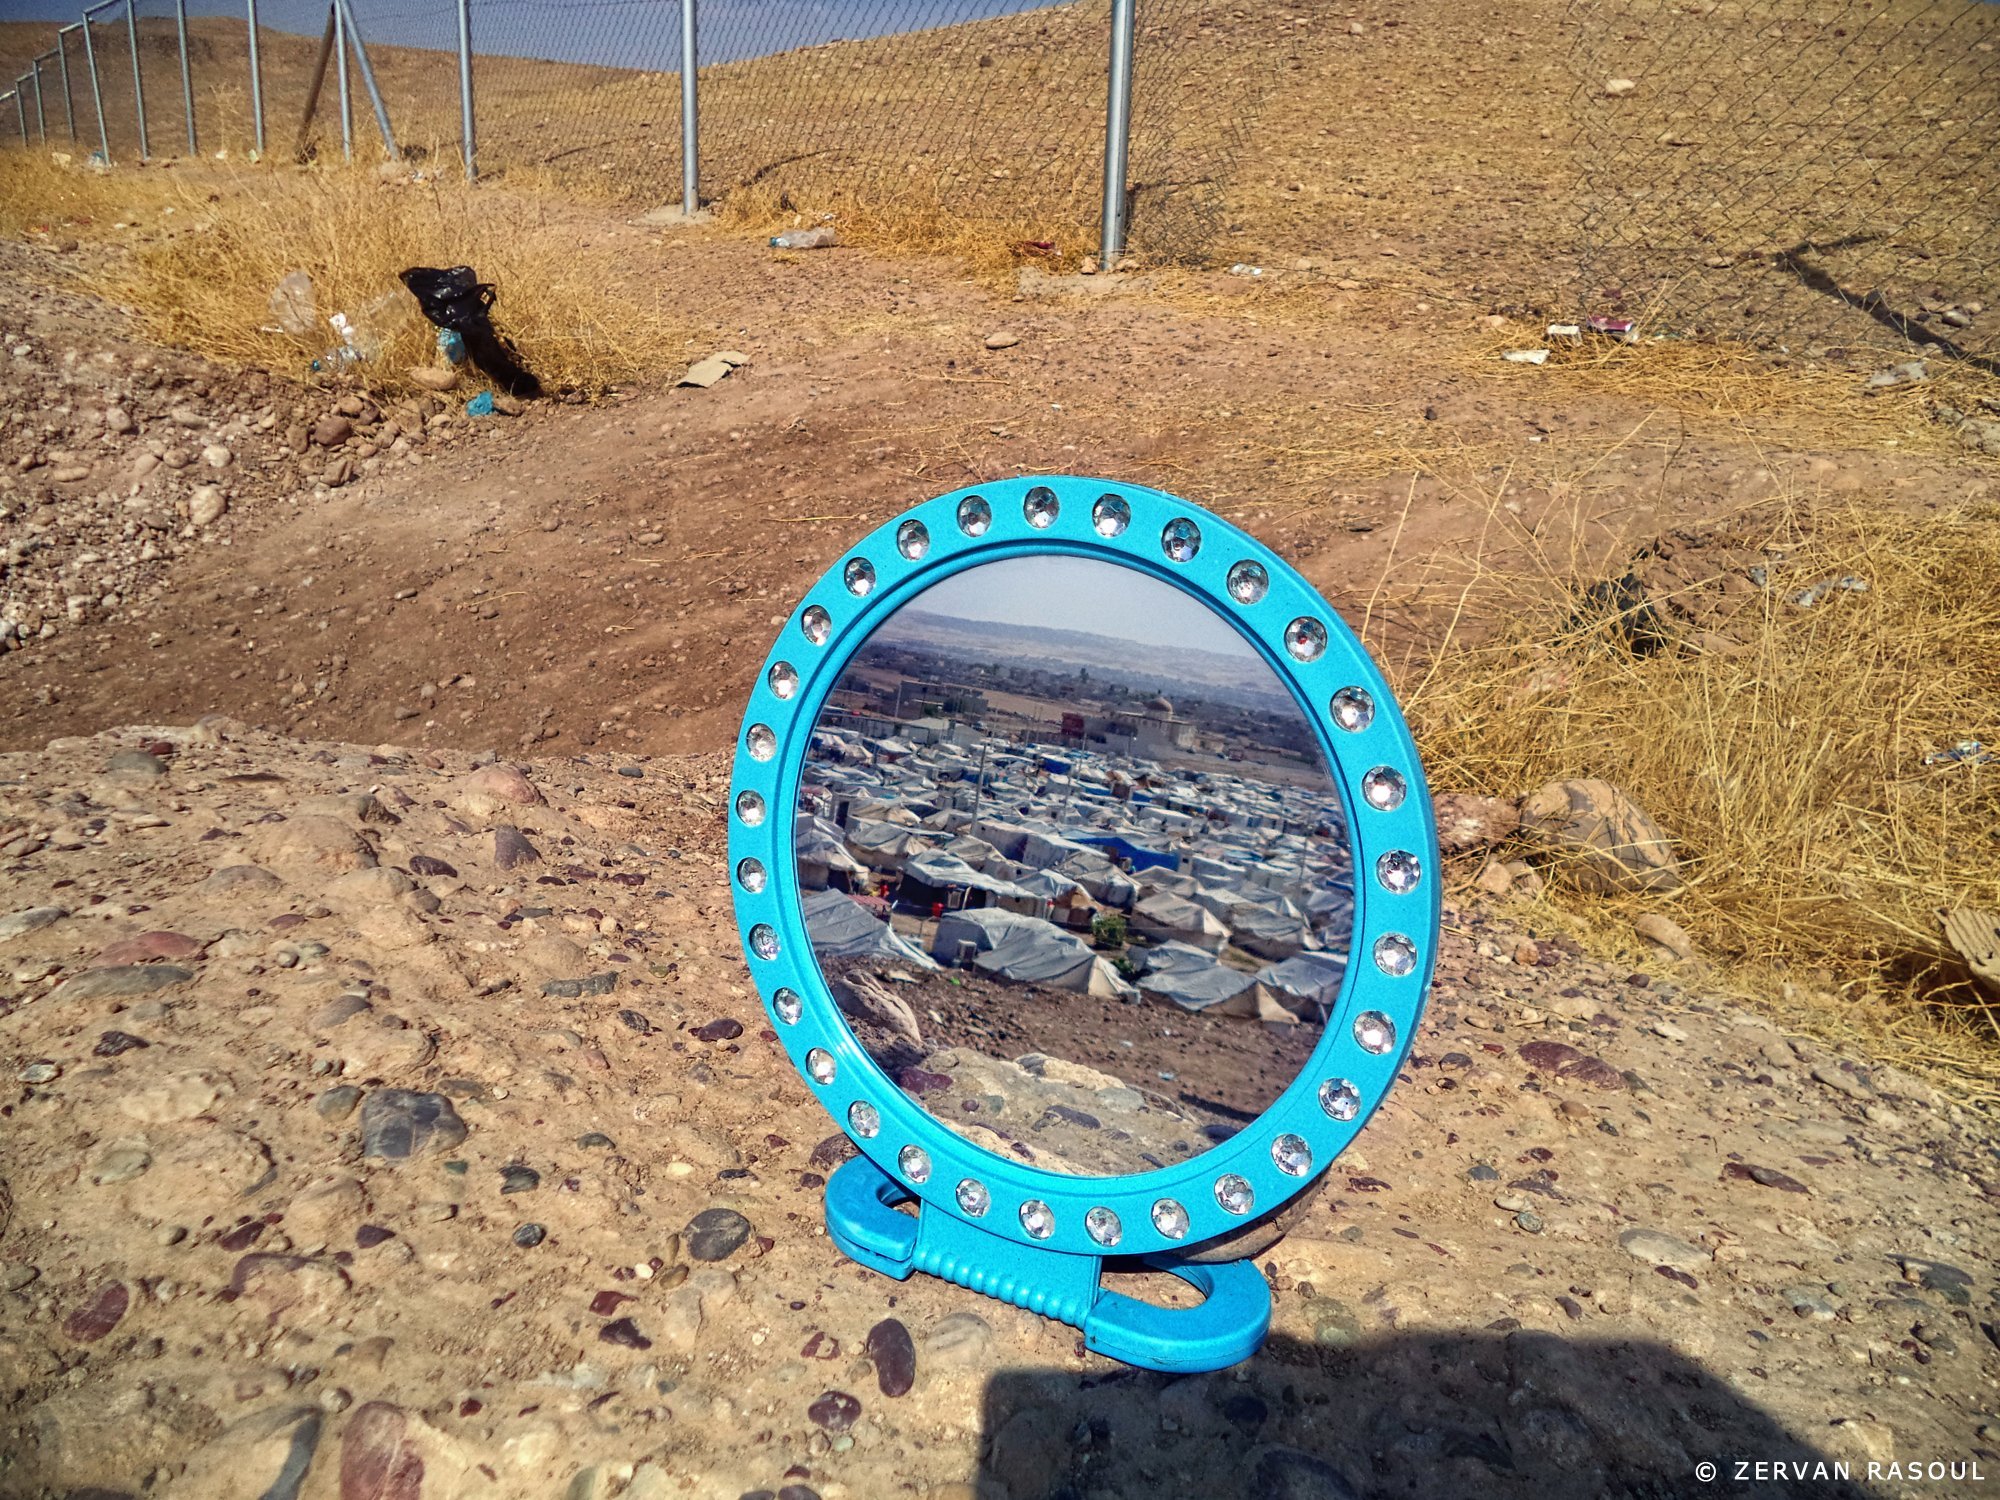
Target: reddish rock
(1769, 1177)
(1564, 1061)
(512, 849)
(895, 1357)
(835, 1411)
(493, 789)
(148, 946)
(376, 1462)
(832, 1151)
(90, 1323)
(625, 1333)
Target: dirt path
(610, 575)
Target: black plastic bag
(457, 299)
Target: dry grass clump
(1819, 847)
(207, 245)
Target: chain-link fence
(1809, 173)
(985, 111)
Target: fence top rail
(66, 30)
(40, 55)
(90, 10)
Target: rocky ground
(118, 459)
(397, 1125)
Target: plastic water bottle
(805, 239)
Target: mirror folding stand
(1032, 1237)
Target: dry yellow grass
(1730, 388)
(1819, 845)
(196, 251)
(919, 220)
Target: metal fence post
(690, 131)
(96, 87)
(41, 115)
(138, 85)
(62, 62)
(465, 111)
(368, 82)
(256, 78)
(1117, 134)
(20, 112)
(340, 74)
(187, 79)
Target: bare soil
(612, 574)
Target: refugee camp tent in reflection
(1171, 918)
(1307, 985)
(940, 879)
(1024, 950)
(822, 854)
(841, 927)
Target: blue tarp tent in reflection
(1137, 855)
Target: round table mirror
(1073, 866)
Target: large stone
(307, 1288)
(148, 946)
(353, 807)
(1279, 1473)
(511, 848)
(136, 763)
(32, 919)
(1658, 1248)
(715, 1234)
(960, 1339)
(204, 1171)
(1601, 837)
(115, 983)
(1665, 933)
(377, 1461)
(324, 1207)
(496, 789)
(314, 842)
(239, 880)
(397, 1123)
(361, 890)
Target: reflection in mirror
(1073, 865)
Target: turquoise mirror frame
(909, 1154)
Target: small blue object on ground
(480, 405)
(451, 344)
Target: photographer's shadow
(1489, 1414)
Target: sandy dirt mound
(383, 1123)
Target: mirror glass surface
(1073, 865)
